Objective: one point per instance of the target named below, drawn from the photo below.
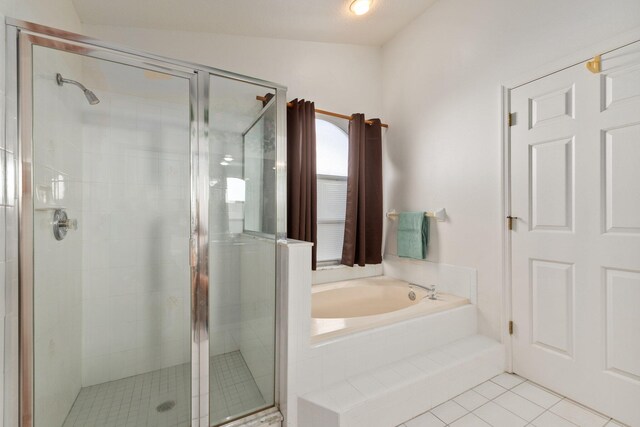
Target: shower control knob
(62, 224)
(69, 224)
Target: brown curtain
(363, 223)
(302, 206)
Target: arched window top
(332, 149)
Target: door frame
(545, 70)
(21, 37)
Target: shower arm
(91, 97)
(61, 80)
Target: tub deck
(387, 298)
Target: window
(332, 159)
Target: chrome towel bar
(439, 215)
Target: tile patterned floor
(133, 401)
(510, 401)
(231, 379)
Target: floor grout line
(506, 390)
(133, 400)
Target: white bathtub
(354, 305)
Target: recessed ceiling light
(360, 7)
(228, 158)
(224, 163)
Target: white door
(575, 188)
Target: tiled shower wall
(57, 286)
(60, 14)
(225, 227)
(224, 294)
(257, 311)
(242, 266)
(136, 209)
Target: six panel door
(575, 182)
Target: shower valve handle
(69, 224)
(62, 224)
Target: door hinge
(595, 65)
(511, 119)
(510, 221)
(510, 327)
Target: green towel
(413, 235)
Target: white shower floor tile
(135, 401)
(510, 401)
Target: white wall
(59, 14)
(441, 84)
(338, 77)
(440, 93)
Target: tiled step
(392, 394)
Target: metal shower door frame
(21, 38)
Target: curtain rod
(327, 113)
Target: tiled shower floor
(134, 401)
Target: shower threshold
(162, 398)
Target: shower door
(111, 218)
(150, 198)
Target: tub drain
(166, 406)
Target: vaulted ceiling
(313, 20)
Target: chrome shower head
(91, 97)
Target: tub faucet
(431, 291)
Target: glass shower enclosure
(149, 197)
